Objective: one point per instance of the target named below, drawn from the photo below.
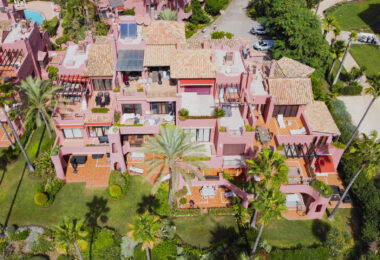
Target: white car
(264, 45)
(259, 29)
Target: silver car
(259, 29)
(264, 45)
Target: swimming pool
(34, 16)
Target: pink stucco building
(124, 85)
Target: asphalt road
(234, 20)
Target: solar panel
(132, 30)
(123, 31)
(130, 60)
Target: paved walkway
(233, 20)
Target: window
(322, 140)
(102, 84)
(131, 109)
(96, 131)
(286, 110)
(72, 133)
(159, 107)
(200, 135)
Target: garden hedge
(320, 253)
(121, 180)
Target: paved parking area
(234, 20)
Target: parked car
(367, 38)
(259, 29)
(264, 45)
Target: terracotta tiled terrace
(299, 165)
(333, 179)
(291, 123)
(140, 164)
(95, 172)
(219, 201)
(3, 138)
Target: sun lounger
(137, 170)
(229, 194)
(280, 120)
(300, 131)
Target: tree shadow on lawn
(97, 209)
(148, 203)
(370, 17)
(320, 229)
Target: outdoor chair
(102, 104)
(107, 99)
(98, 100)
(100, 94)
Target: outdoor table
(208, 192)
(263, 134)
(81, 159)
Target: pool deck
(46, 9)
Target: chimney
(272, 69)
(205, 42)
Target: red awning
(324, 164)
(70, 126)
(74, 78)
(120, 8)
(197, 82)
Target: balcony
(298, 173)
(141, 89)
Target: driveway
(233, 20)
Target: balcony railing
(158, 92)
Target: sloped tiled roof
(100, 60)
(164, 32)
(192, 64)
(294, 69)
(291, 91)
(319, 118)
(158, 55)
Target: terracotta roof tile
(158, 55)
(319, 118)
(294, 69)
(100, 60)
(291, 91)
(192, 64)
(164, 32)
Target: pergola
(9, 57)
(74, 86)
(300, 151)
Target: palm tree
(70, 234)
(336, 32)
(328, 24)
(369, 150)
(173, 151)
(373, 90)
(270, 203)
(337, 50)
(4, 101)
(168, 15)
(146, 230)
(39, 101)
(272, 166)
(352, 38)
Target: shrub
(51, 26)
(52, 185)
(140, 90)
(221, 35)
(190, 29)
(188, 9)
(41, 199)
(99, 110)
(219, 112)
(11, 230)
(213, 7)
(165, 250)
(252, 12)
(183, 201)
(43, 166)
(129, 11)
(65, 257)
(55, 150)
(249, 128)
(222, 129)
(21, 235)
(53, 72)
(63, 39)
(116, 116)
(181, 193)
(184, 112)
(162, 208)
(127, 246)
(324, 189)
(115, 191)
(101, 28)
(221, 211)
(339, 145)
(116, 90)
(320, 253)
(198, 16)
(168, 15)
(351, 90)
(193, 158)
(106, 244)
(337, 241)
(186, 212)
(42, 245)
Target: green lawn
(367, 56)
(202, 231)
(363, 15)
(286, 233)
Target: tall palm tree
(337, 50)
(70, 234)
(336, 30)
(369, 149)
(173, 151)
(374, 91)
(7, 89)
(146, 229)
(353, 37)
(39, 100)
(272, 166)
(270, 203)
(328, 24)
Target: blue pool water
(34, 16)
